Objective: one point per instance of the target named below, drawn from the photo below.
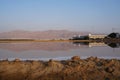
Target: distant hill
(50, 34)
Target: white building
(96, 36)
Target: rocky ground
(92, 68)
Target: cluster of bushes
(113, 35)
(80, 38)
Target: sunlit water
(56, 50)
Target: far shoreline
(57, 40)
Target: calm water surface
(57, 50)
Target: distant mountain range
(50, 34)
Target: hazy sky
(79, 15)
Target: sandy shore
(91, 68)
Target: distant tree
(86, 38)
(112, 35)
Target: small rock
(99, 63)
(109, 69)
(92, 58)
(107, 79)
(51, 60)
(17, 59)
(75, 58)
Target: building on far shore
(96, 36)
(89, 36)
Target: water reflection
(95, 44)
(55, 50)
(53, 46)
(81, 43)
(114, 45)
(90, 44)
(46, 46)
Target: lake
(57, 50)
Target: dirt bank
(91, 68)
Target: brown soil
(91, 68)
